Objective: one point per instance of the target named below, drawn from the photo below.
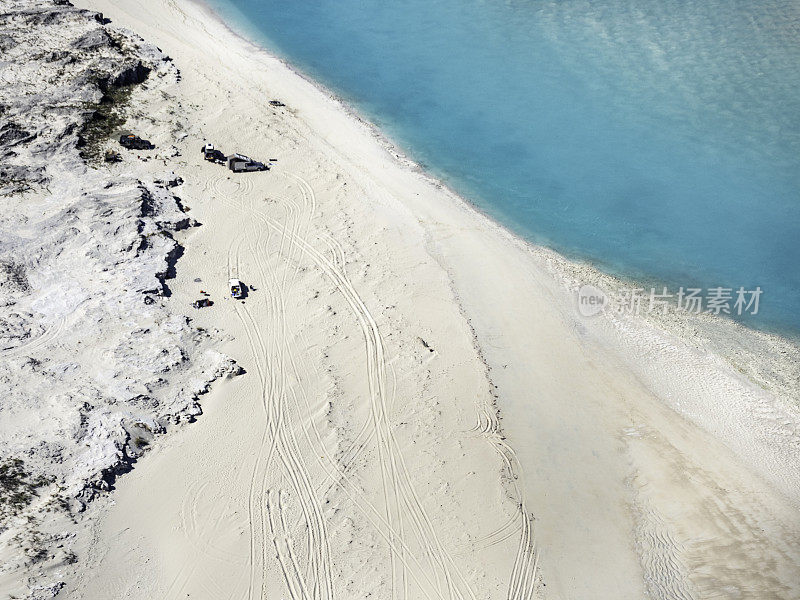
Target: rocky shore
(94, 365)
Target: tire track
(50, 335)
(274, 312)
(397, 484)
(441, 576)
(319, 551)
(257, 483)
(288, 452)
(197, 532)
(523, 572)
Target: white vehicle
(211, 154)
(236, 288)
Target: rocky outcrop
(92, 363)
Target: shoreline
(568, 267)
(761, 359)
(574, 396)
(572, 263)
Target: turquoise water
(659, 139)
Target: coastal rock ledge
(93, 365)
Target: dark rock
(12, 134)
(94, 39)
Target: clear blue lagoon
(657, 139)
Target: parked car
(239, 163)
(202, 302)
(211, 154)
(134, 142)
(237, 289)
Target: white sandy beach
(424, 413)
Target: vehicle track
(319, 551)
(260, 466)
(397, 482)
(523, 573)
(199, 532)
(432, 568)
(49, 336)
(274, 400)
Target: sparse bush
(109, 116)
(17, 487)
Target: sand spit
(92, 364)
(424, 412)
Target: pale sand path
(347, 462)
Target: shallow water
(656, 139)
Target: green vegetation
(109, 116)
(17, 487)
